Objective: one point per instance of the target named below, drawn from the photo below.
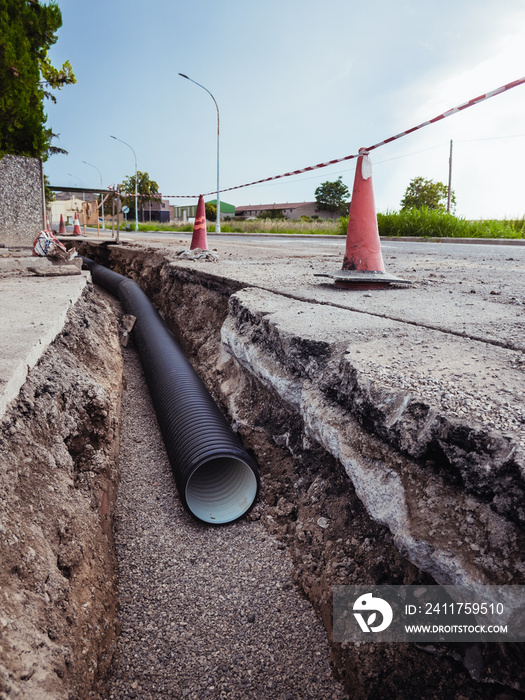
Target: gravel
(205, 612)
(456, 395)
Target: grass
(419, 223)
(428, 223)
(323, 226)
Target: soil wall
(58, 479)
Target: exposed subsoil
(58, 480)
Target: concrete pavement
(468, 291)
(33, 311)
(472, 292)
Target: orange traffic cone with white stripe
(199, 238)
(76, 227)
(62, 226)
(363, 266)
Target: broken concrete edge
(335, 404)
(33, 351)
(63, 270)
(491, 466)
(26, 261)
(96, 240)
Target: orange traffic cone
(76, 227)
(363, 266)
(62, 227)
(199, 239)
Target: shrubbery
(430, 223)
(414, 223)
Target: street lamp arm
(218, 224)
(94, 166)
(126, 144)
(136, 180)
(204, 88)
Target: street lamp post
(136, 181)
(101, 191)
(218, 223)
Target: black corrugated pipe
(216, 479)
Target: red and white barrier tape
(362, 151)
(450, 112)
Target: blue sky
(297, 82)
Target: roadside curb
(330, 236)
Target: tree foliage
(332, 196)
(427, 193)
(211, 211)
(146, 187)
(27, 31)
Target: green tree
(146, 188)
(211, 211)
(27, 30)
(427, 193)
(332, 196)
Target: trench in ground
(205, 612)
(302, 488)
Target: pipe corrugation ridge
(216, 479)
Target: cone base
(355, 279)
(361, 285)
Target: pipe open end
(221, 490)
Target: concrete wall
(21, 200)
(307, 209)
(289, 211)
(87, 210)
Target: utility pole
(113, 213)
(449, 194)
(118, 212)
